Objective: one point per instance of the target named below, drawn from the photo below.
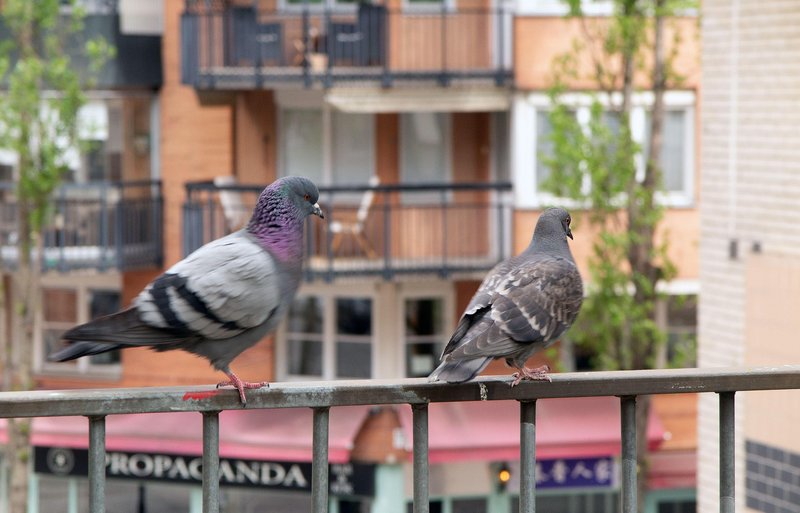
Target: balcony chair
(362, 43)
(355, 228)
(236, 213)
(250, 42)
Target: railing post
(727, 434)
(120, 222)
(500, 75)
(444, 79)
(527, 456)
(97, 464)
(628, 421)
(420, 429)
(319, 466)
(211, 462)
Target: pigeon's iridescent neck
(278, 227)
(284, 241)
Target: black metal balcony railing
(418, 393)
(95, 225)
(235, 47)
(384, 230)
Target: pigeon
(222, 298)
(522, 306)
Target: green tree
(38, 120)
(596, 166)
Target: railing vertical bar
(211, 462)
(420, 421)
(319, 470)
(727, 434)
(527, 456)
(97, 464)
(628, 421)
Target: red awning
(565, 428)
(579, 427)
(279, 435)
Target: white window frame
(328, 296)
(523, 135)
(447, 148)
(444, 290)
(313, 100)
(82, 284)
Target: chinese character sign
(575, 472)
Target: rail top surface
(320, 394)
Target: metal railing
(240, 46)
(94, 225)
(385, 230)
(321, 396)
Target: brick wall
(750, 184)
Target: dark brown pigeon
(523, 305)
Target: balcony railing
(418, 393)
(95, 225)
(384, 230)
(235, 47)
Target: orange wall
(539, 40)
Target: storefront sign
(344, 479)
(575, 472)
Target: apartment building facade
(424, 124)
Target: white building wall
(750, 191)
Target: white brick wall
(750, 184)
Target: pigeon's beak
(569, 233)
(318, 211)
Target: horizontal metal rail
(321, 396)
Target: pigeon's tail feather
(123, 328)
(459, 371)
(78, 349)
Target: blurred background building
(424, 123)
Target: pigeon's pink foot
(241, 385)
(535, 374)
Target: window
(531, 116)
(329, 147)
(672, 161)
(681, 323)
(424, 152)
(352, 151)
(301, 149)
(425, 335)
(65, 305)
(329, 336)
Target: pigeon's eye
(569, 220)
(307, 197)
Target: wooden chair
(355, 228)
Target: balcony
(384, 230)
(95, 225)
(308, 44)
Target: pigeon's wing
(533, 303)
(478, 306)
(224, 288)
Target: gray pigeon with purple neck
(523, 305)
(221, 299)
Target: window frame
(82, 285)
(328, 296)
(289, 102)
(436, 290)
(524, 160)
